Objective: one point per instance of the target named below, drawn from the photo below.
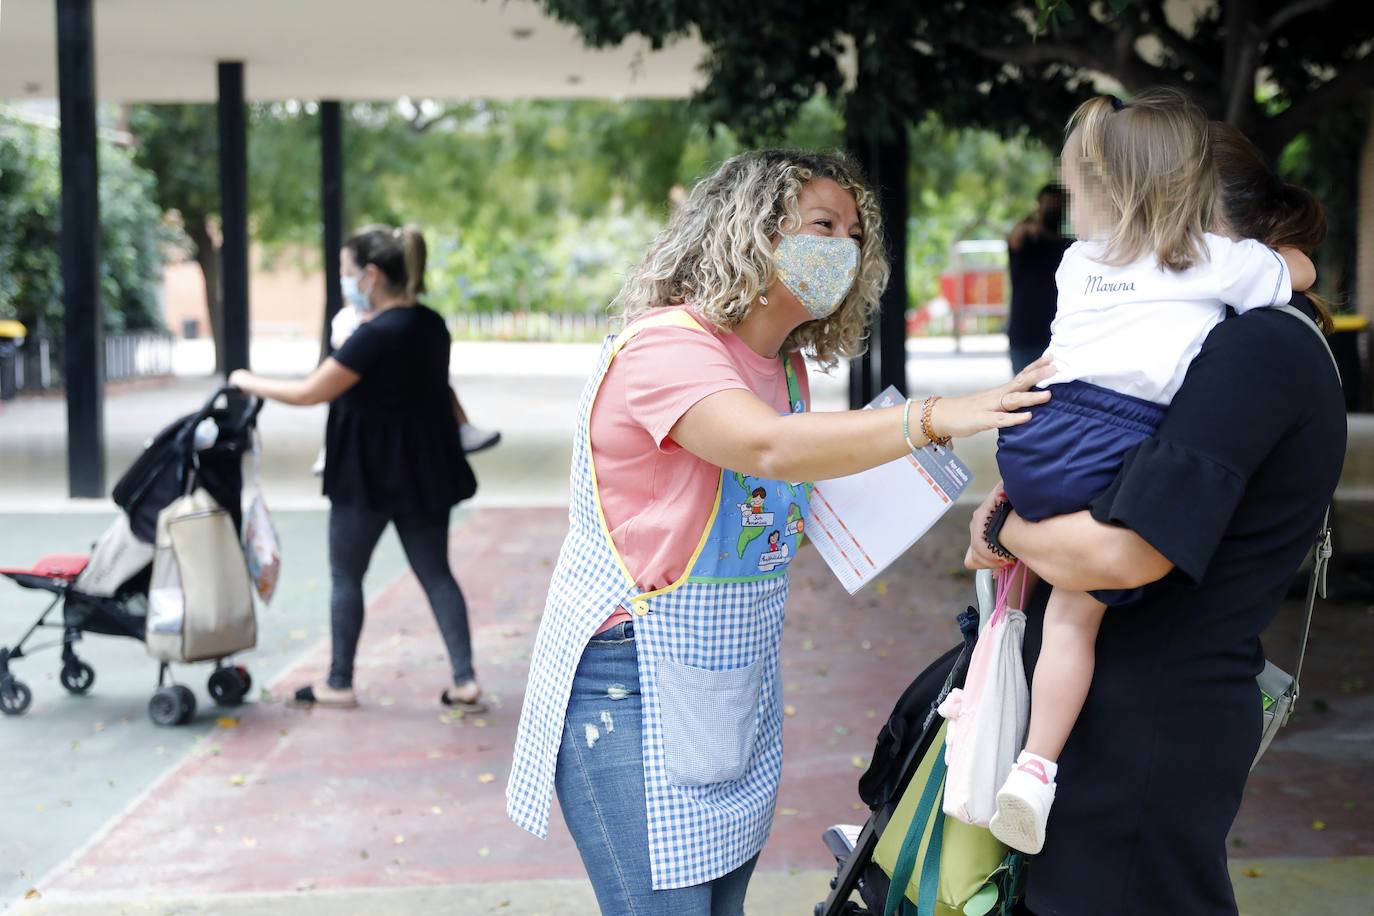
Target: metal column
(331, 207)
(233, 194)
(83, 321)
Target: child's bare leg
(1062, 679)
(1061, 683)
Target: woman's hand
(992, 409)
(240, 379)
(979, 556)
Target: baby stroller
(901, 745)
(107, 591)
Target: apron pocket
(710, 721)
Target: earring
(763, 300)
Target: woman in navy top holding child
(1219, 503)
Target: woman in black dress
(1214, 515)
(393, 452)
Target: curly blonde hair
(716, 253)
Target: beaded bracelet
(927, 408)
(992, 530)
(906, 425)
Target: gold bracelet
(927, 408)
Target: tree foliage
(1007, 65)
(132, 234)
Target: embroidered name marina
(1095, 285)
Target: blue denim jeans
(600, 785)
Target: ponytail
(414, 252)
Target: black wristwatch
(993, 529)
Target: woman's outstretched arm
(736, 429)
(331, 379)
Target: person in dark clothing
(1213, 516)
(1034, 249)
(394, 455)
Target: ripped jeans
(600, 785)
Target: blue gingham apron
(711, 769)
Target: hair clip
(1117, 104)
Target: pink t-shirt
(656, 495)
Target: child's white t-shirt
(346, 321)
(1136, 328)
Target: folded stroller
(902, 745)
(107, 591)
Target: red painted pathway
(399, 793)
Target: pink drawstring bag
(989, 715)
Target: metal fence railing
(537, 326)
(35, 366)
(137, 356)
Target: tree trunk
(207, 256)
(1364, 232)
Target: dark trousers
(353, 535)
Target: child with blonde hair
(1138, 294)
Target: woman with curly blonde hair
(653, 705)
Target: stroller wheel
(15, 697)
(173, 705)
(247, 678)
(188, 703)
(77, 677)
(228, 686)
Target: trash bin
(1350, 344)
(11, 339)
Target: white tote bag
(200, 602)
(989, 715)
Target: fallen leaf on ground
(858, 761)
(250, 841)
(399, 840)
(32, 894)
(880, 586)
(808, 645)
(296, 634)
(1319, 825)
(484, 852)
(788, 812)
(228, 722)
(237, 779)
(436, 810)
(1254, 873)
(789, 710)
(486, 778)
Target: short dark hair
(1054, 189)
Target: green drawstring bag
(940, 866)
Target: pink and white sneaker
(1023, 804)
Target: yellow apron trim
(679, 318)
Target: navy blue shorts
(1071, 451)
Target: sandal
(475, 705)
(323, 695)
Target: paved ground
(396, 808)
